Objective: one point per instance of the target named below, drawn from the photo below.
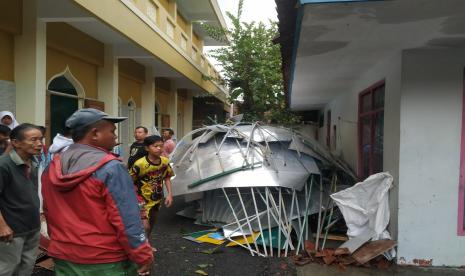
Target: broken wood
(309, 247)
(356, 242)
(334, 237)
(341, 251)
(47, 264)
(372, 249)
(329, 259)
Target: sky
(253, 10)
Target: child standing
(150, 173)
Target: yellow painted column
(108, 81)
(30, 65)
(148, 100)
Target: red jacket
(91, 209)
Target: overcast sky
(253, 10)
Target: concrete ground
(180, 257)
(321, 270)
(177, 256)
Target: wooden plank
(47, 264)
(372, 249)
(333, 237)
(356, 242)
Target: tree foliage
(251, 67)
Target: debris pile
(368, 255)
(366, 213)
(258, 185)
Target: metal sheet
(278, 166)
(254, 178)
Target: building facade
(387, 78)
(137, 58)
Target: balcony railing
(167, 23)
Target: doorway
(371, 130)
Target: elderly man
(91, 206)
(19, 202)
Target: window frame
(170, 28)
(194, 53)
(152, 7)
(371, 113)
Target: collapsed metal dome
(256, 182)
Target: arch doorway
(64, 96)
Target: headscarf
(13, 124)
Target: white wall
(344, 114)
(431, 110)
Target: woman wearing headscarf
(8, 119)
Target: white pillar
(231, 110)
(188, 114)
(108, 81)
(173, 107)
(30, 66)
(148, 100)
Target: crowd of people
(97, 212)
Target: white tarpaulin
(365, 206)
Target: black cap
(86, 116)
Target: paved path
(177, 256)
(321, 270)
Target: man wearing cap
(90, 204)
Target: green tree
(251, 67)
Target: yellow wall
(197, 42)
(65, 38)
(84, 72)
(131, 69)
(168, 6)
(129, 88)
(162, 97)
(129, 24)
(182, 23)
(11, 16)
(162, 94)
(7, 62)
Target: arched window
(62, 85)
(65, 95)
